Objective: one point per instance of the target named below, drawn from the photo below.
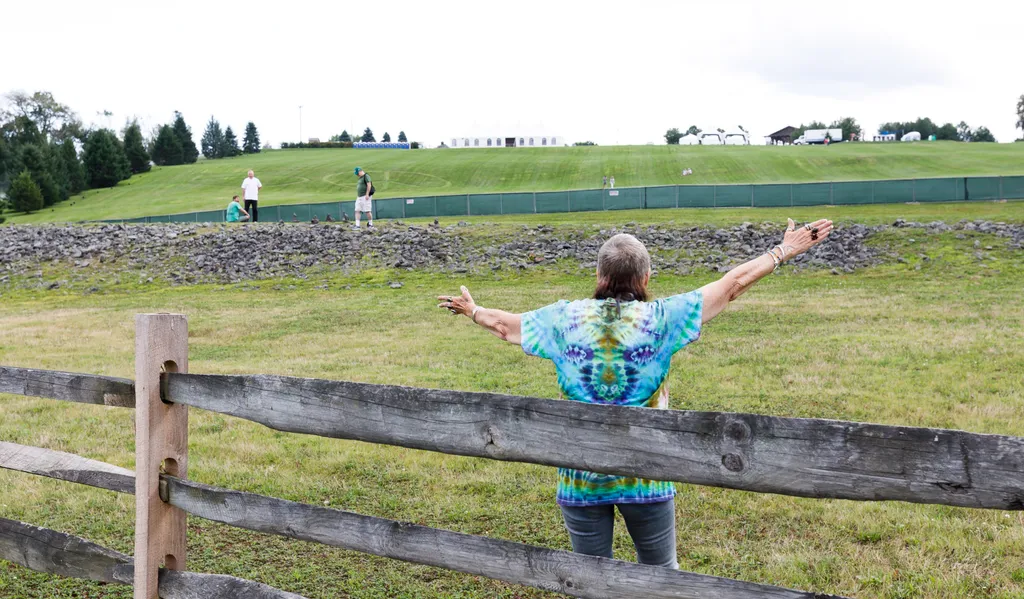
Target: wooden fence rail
(792, 456)
(53, 552)
(549, 569)
(767, 454)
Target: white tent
(711, 139)
(912, 136)
(689, 140)
(736, 138)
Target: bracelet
(782, 250)
(475, 310)
(775, 260)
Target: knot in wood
(733, 462)
(738, 431)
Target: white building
(519, 141)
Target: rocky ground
(187, 254)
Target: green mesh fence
(587, 200)
(553, 201)
(734, 196)
(627, 198)
(667, 196)
(517, 203)
(1013, 188)
(812, 194)
(391, 208)
(773, 195)
(485, 204)
(420, 207)
(852, 192)
(935, 190)
(982, 188)
(696, 196)
(660, 197)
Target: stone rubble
(192, 253)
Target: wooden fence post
(161, 442)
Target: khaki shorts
(363, 204)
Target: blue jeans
(652, 526)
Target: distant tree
(947, 132)
(386, 138)
(230, 147)
(54, 120)
(1020, 115)
(344, 136)
(804, 128)
(138, 157)
(415, 145)
(367, 135)
(73, 166)
(167, 148)
(189, 153)
(672, 136)
(402, 138)
(963, 131)
(982, 134)
(583, 143)
(5, 158)
(212, 141)
(720, 130)
(251, 142)
(104, 158)
(693, 130)
(24, 195)
(849, 126)
(36, 160)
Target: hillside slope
(298, 176)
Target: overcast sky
(611, 72)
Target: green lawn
(936, 342)
(302, 176)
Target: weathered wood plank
(570, 573)
(161, 445)
(790, 456)
(53, 552)
(66, 466)
(68, 386)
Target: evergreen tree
(386, 137)
(189, 153)
(73, 166)
(167, 148)
(59, 170)
(368, 135)
(213, 140)
(401, 137)
(251, 142)
(105, 160)
(344, 136)
(24, 194)
(35, 160)
(230, 147)
(134, 149)
(5, 157)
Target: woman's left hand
(456, 304)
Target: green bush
(24, 193)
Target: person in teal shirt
(235, 212)
(616, 349)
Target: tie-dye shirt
(618, 355)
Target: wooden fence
(790, 456)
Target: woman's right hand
(796, 241)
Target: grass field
(301, 176)
(936, 342)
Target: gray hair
(622, 267)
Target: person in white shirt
(252, 187)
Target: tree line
(368, 136)
(946, 132)
(47, 155)
(345, 140)
(224, 144)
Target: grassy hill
(299, 176)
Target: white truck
(817, 136)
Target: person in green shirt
(364, 189)
(235, 212)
